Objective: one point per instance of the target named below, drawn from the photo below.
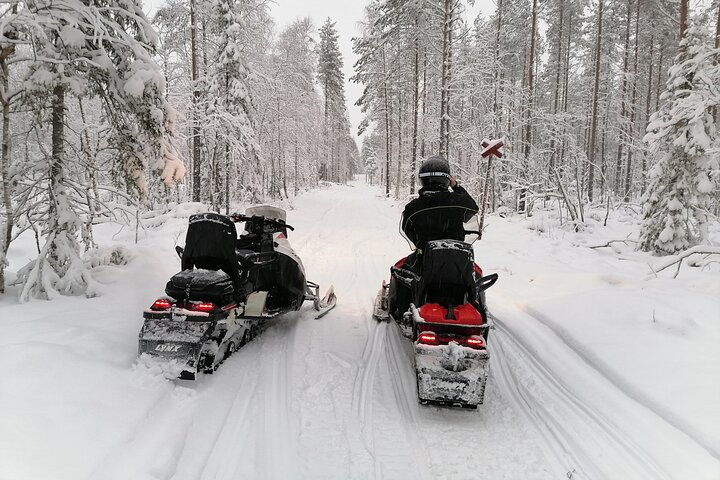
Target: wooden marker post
(491, 149)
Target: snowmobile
(447, 320)
(226, 290)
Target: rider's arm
(463, 199)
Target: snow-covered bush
(114, 255)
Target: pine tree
(683, 181)
(331, 80)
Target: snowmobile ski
(321, 305)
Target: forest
(110, 114)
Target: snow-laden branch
(677, 259)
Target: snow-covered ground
(600, 369)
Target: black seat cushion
(204, 285)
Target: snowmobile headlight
(161, 304)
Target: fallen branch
(677, 259)
(607, 245)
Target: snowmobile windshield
(472, 231)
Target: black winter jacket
(437, 214)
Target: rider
(439, 212)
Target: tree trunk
(58, 150)
(527, 126)
(448, 15)
(5, 167)
(623, 102)
(593, 120)
(387, 128)
(648, 99)
(416, 106)
(561, 158)
(496, 73)
(715, 110)
(297, 173)
(195, 103)
(400, 149)
(556, 96)
(683, 19)
(633, 106)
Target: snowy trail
(592, 428)
(335, 397)
(322, 399)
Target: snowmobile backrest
(447, 276)
(210, 244)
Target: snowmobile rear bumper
(451, 374)
(178, 343)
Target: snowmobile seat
(199, 284)
(448, 277)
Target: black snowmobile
(227, 288)
(443, 312)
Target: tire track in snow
(573, 432)
(232, 432)
(156, 443)
(277, 435)
(628, 388)
(363, 388)
(405, 392)
(365, 378)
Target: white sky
(347, 15)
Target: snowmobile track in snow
(405, 391)
(557, 412)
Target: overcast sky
(347, 15)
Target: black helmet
(435, 171)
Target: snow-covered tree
(98, 50)
(332, 84)
(686, 176)
(229, 100)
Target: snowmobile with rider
(436, 295)
(227, 288)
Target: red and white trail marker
(492, 147)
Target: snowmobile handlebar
(268, 221)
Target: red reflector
(475, 342)
(161, 304)
(428, 338)
(400, 262)
(204, 307)
(477, 269)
